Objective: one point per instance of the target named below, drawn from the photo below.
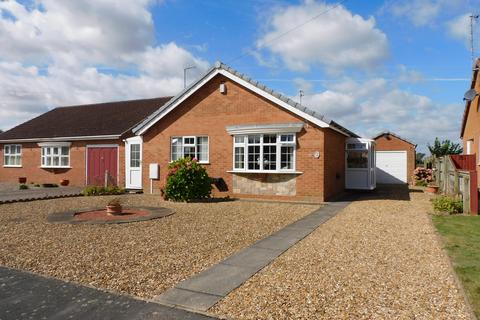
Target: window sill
(8, 166)
(265, 171)
(63, 167)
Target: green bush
(102, 191)
(447, 204)
(23, 187)
(421, 183)
(50, 185)
(187, 180)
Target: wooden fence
(456, 175)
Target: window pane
(18, 160)
(253, 157)
(135, 155)
(65, 161)
(19, 149)
(176, 148)
(269, 157)
(55, 150)
(239, 139)
(269, 138)
(286, 138)
(47, 150)
(56, 161)
(49, 161)
(65, 151)
(189, 140)
(202, 149)
(7, 149)
(254, 139)
(189, 152)
(357, 159)
(286, 159)
(239, 158)
(6, 160)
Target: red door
(101, 162)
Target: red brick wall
(31, 153)
(391, 143)
(208, 112)
(334, 182)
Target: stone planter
(114, 209)
(22, 180)
(64, 182)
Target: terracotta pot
(64, 182)
(22, 180)
(431, 189)
(114, 210)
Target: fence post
(466, 194)
(446, 180)
(456, 183)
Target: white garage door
(391, 167)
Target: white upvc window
(55, 155)
(264, 152)
(12, 155)
(190, 146)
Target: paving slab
(37, 194)
(218, 280)
(205, 289)
(24, 295)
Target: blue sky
(370, 65)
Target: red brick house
(256, 142)
(395, 158)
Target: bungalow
(256, 142)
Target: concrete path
(28, 296)
(8, 196)
(205, 289)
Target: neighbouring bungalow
(254, 141)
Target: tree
(419, 157)
(444, 148)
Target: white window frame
(50, 146)
(195, 144)
(12, 154)
(278, 145)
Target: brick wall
(472, 127)
(391, 143)
(31, 153)
(208, 112)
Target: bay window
(190, 146)
(264, 152)
(12, 155)
(55, 155)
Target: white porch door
(133, 163)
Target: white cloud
(335, 40)
(459, 27)
(376, 105)
(74, 52)
(419, 12)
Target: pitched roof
(103, 119)
(393, 134)
(476, 67)
(276, 97)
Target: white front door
(392, 167)
(133, 163)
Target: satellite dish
(470, 95)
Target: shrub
(23, 187)
(447, 204)
(187, 180)
(50, 185)
(422, 176)
(102, 191)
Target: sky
(372, 66)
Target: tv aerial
(470, 95)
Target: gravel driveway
(144, 258)
(377, 259)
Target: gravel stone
(144, 258)
(377, 259)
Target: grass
(461, 235)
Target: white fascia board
(176, 103)
(79, 138)
(54, 144)
(274, 99)
(243, 83)
(265, 128)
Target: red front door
(102, 162)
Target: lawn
(142, 259)
(462, 241)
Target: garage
(391, 167)
(395, 158)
